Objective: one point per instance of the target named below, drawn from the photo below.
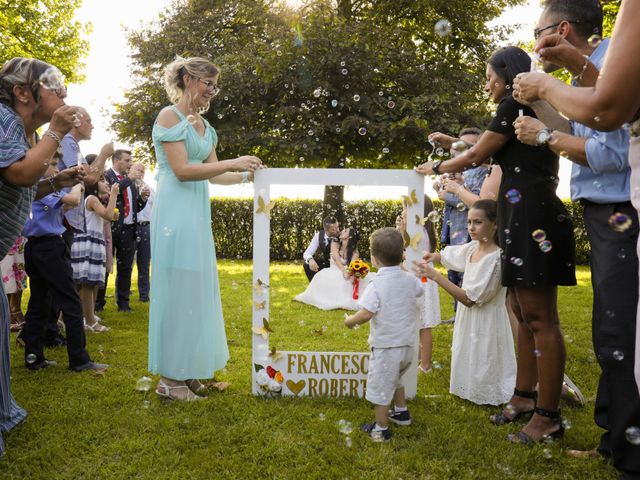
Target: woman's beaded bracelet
(245, 178)
(53, 135)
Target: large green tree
(332, 84)
(44, 29)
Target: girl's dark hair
(91, 190)
(352, 244)
(509, 62)
(490, 209)
(429, 228)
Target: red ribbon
(356, 284)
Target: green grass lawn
(87, 426)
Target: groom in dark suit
(123, 230)
(321, 243)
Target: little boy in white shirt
(389, 301)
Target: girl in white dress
(88, 253)
(483, 362)
(332, 288)
(430, 308)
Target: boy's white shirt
(391, 297)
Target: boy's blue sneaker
(376, 435)
(400, 418)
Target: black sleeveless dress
(535, 229)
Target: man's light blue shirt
(607, 179)
(71, 157)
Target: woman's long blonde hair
(196, 67)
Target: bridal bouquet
(357, 269)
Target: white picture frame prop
(318, 373)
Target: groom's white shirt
(313, 246)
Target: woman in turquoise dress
(187, 339)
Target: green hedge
(294, 222)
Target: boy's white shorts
(386, 366)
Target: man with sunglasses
(600, 180)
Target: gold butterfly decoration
(264, 207)
(411, 198)
(260, 305)
(259, 287)
(421, 220)
(411, 241)
(415, 240)
(264, 330)
(275, 355)
(406, 239)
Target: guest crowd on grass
(507, 240)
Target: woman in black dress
(536, 235)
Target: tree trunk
(334, 202)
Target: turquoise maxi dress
(186, 328)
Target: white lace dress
(329, 290)
(483, 361)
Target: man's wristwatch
(436, 167)
(544, 136)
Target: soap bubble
(539, 235)
(334, 103)
(633, 435)
(143, 384)
(356, 98)
(620, 222)
(362, 131)
(443, 27)
(234, 285)
(459, 146)
(317, 92)
(439, 151)
(432, 216)
(518, 262)
(31, 358)
(545, 246)
(594, 40)
(513, 196)
(618, 355)
(344, 71)
(345, 427)
(192, 119)
(391, 104)
(461, 207)
(385, 150)
(517, 169)
(262, 350)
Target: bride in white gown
(332, 288)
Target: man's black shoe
(40, 365)
(89, 366)
(125, 309)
